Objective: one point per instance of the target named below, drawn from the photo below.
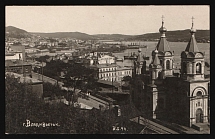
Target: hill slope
(174, 36)
(14, 32)
(77, 35)
(113, 36)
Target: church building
(179, 98)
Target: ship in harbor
(136, 46)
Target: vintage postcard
(107, 69)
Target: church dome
(192, 30)
(162, 29)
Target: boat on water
(133, 56)
(136, 46)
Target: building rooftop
(15, 63)
(104, 65)
(109, 82)
(24, 79)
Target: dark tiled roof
(15, 63)
(192, 45)
(108, 82)
(163, 45)
(156, 60)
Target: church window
(199, 94)
(161, 61)
(167, 64)
(198, 68)
(159, 75)
(198, 103)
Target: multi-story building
(19, 67)
(107, 68)
(19, 48)
(15, 55)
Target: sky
(130, 20)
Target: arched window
(198, 68)
(159, 75)
(199, 94)
(161, 62)
(167, 64)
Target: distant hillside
(14, 32)
(174, 36)
(113, 36)
(77, 35)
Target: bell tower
(165, 55)
(192, 60)
(139, 62)
(155, 67)
(192, 74)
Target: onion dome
(155, 60)
(192, 44)
(163, 44)
(162, 30)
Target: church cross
(192, 20)
(162, 18)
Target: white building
(106, 59)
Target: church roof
(192, 45)
(163, 45)
(156, 60)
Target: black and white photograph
(107, 69)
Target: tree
(50, 89)
(21, 104)
(79, 77)
(42, 58)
